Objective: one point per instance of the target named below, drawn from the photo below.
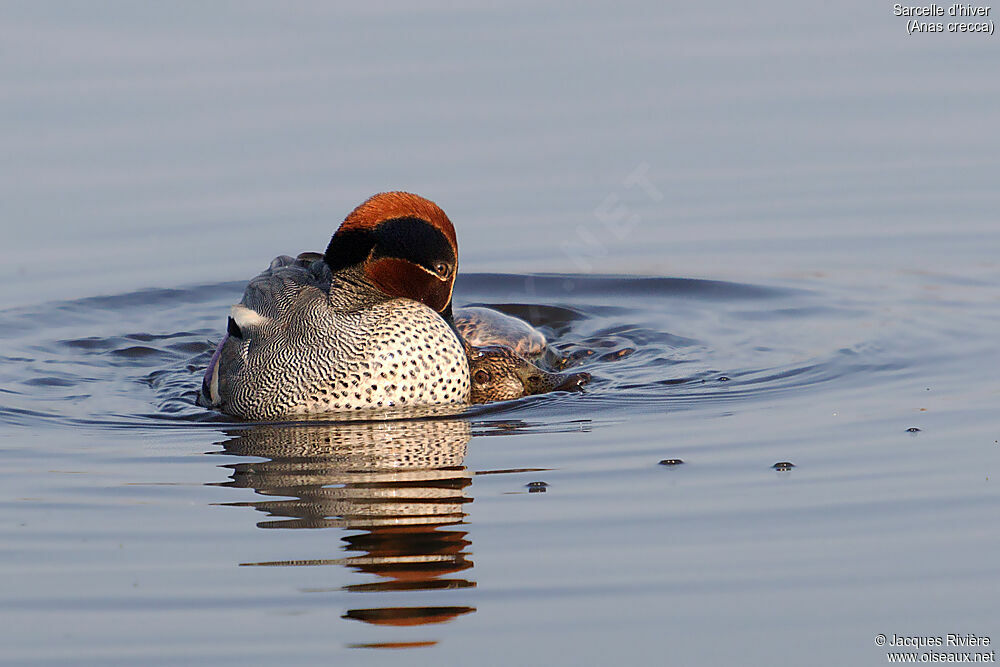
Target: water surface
(769, 232)
(135, 517)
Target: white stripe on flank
(244, 317)
(213, 385)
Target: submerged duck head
(404, 244)
(500, 374)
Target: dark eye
(442, 269)
(234, 329)
(481, 376)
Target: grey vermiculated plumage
(326, 342)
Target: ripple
(650, 344)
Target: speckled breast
(390, 354)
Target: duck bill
(537, 381)
(573, 382)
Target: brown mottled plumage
(500, 374)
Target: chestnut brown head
(404, 244)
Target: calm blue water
(769, 232)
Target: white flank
(213, 386)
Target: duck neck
(349, 287)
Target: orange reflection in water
(401, 484)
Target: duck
(500, 373)
(368, 324)
(481, 326)
(505, 353)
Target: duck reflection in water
(401, 483)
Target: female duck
(361, 326)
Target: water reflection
(402, 484)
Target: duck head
(500, 374)
(404, 244)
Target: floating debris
(913, 429)
(671, 462)
(783, 466)
(724, 378)
(537, 487)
